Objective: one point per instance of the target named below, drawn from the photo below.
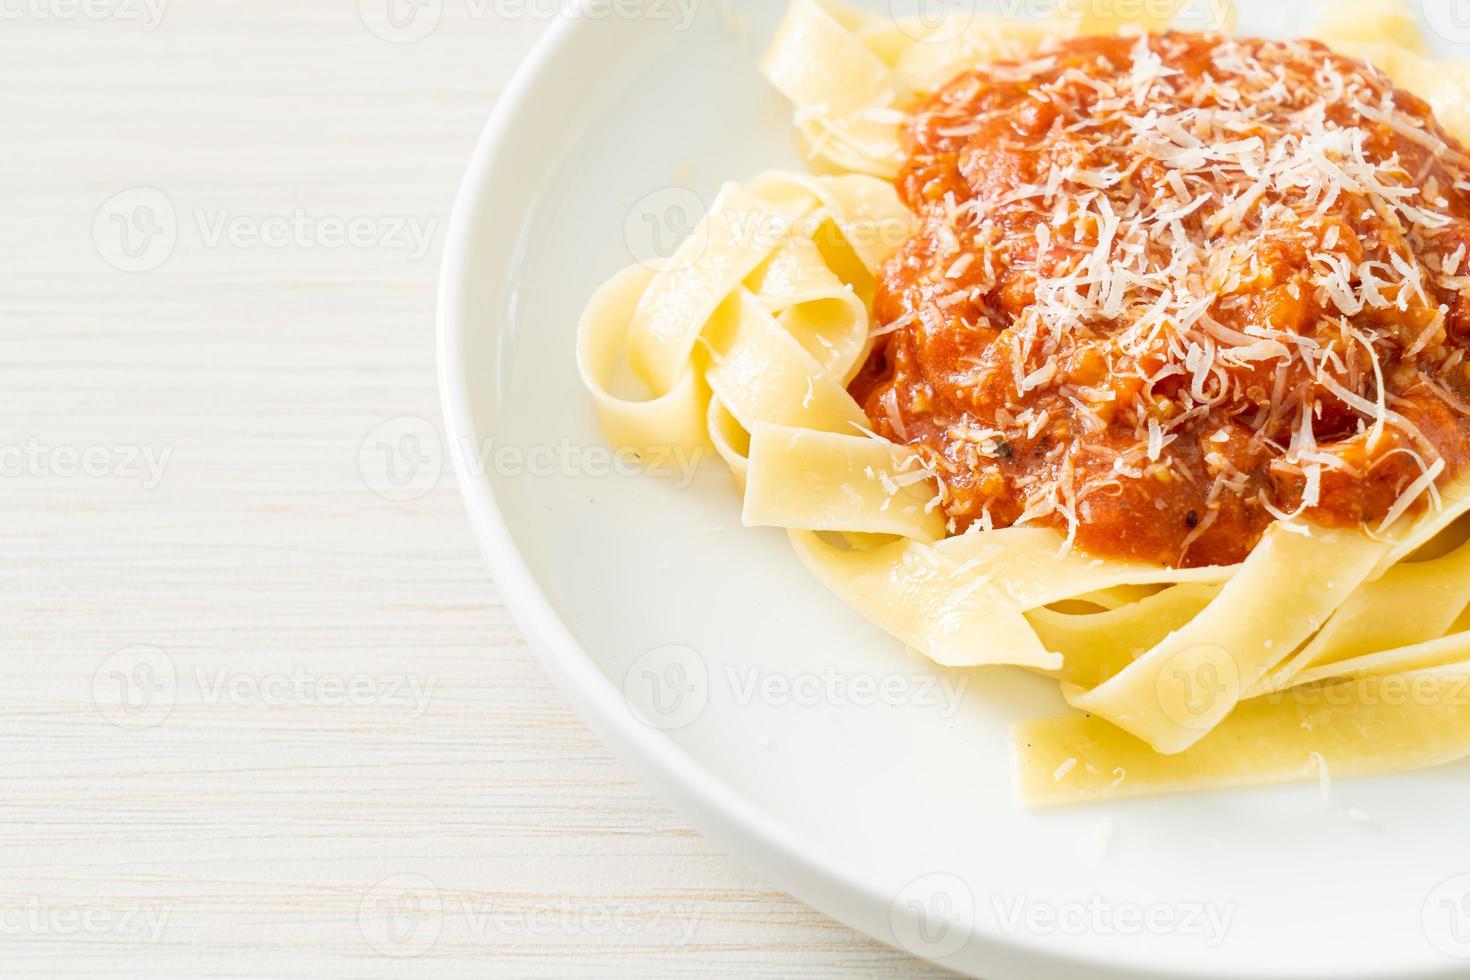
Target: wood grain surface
(262, 715)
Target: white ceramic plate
(779, 722)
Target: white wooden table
(256, 717)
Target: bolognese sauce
(1172, 288)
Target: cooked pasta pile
(1028, 470)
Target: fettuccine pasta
(1229, 580)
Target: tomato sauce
(1171, 289)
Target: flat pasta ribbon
(761, 316)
